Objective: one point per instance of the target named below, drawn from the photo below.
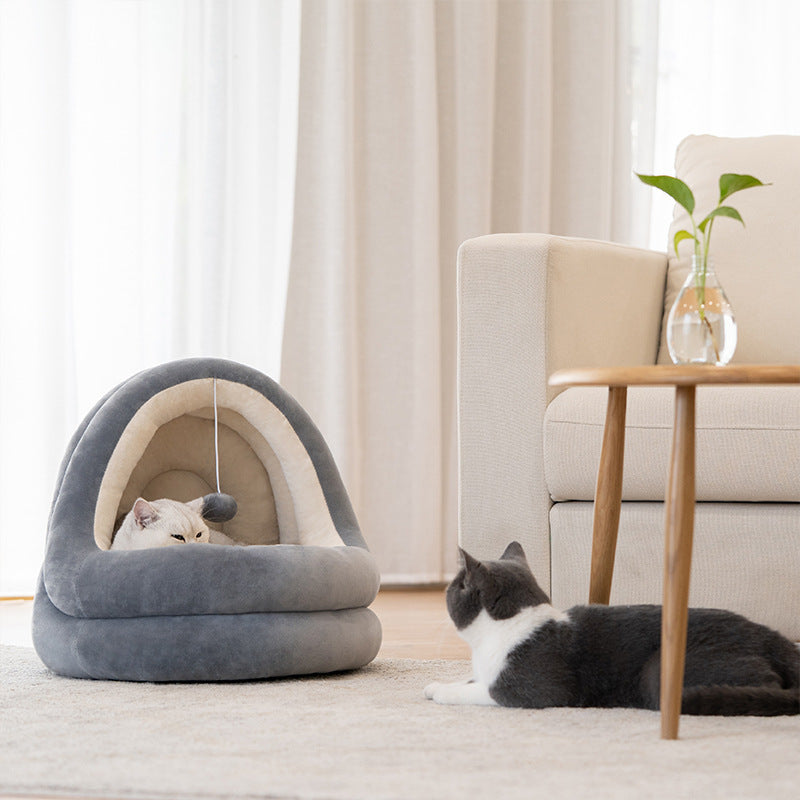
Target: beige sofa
(530, 304)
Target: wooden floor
(415, 624)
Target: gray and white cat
(527, 654)
(162, 523)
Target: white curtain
(422, 124)
(147, 156)
(149, 206)
(732, 72)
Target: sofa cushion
(756, 264)
(747, 445)
(746, 558)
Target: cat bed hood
(294, 601)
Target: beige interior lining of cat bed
(167, 450)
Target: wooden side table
(679, 500)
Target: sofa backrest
(758, 265)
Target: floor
(15, 622)
(415, 624)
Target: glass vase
(701, 328)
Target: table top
(677, 375)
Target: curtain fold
(36, 356)
(420, 125)
(147, 155)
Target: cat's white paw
(459, 694)
(430, 690)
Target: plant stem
(707, 239)
(701, 256)
(713, 338)
(700, 285)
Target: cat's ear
(514, 551)
(144, 513)
(472, 567)
(196, 505)
(470, 563)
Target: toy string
(216, 434)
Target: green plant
(729, 184)
(700, 235)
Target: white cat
(161, 523)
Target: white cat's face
(161, 523)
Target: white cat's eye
(178, 536)
(198, 534)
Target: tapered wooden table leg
(608, 496)
(679, 530)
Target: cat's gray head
(501, 587)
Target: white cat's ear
(196, 505)
(515, 551)
(144, 513)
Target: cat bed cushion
(292, 602)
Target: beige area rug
(367, 734)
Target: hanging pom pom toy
(218, 506)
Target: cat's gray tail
(726, 701)
(785, 660)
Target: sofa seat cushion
(747, 445)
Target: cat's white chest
(491, 640)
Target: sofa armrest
(529, 304)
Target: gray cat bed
(294, 602)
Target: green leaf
(681, 236)
(674, 187)
(721, 211)
(730, 182)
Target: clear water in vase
(701, 328)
